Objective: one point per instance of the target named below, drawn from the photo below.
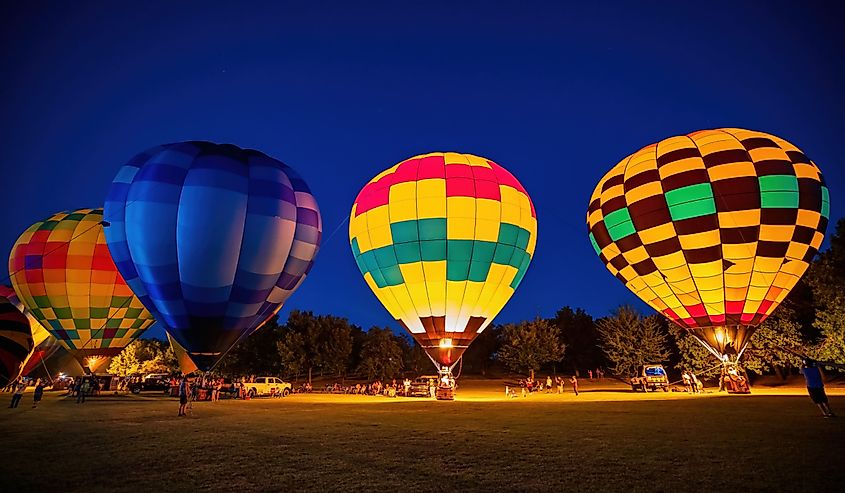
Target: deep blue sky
(557, 94)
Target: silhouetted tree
(578, 332)
(826, 276)
(256, 353)
(774, 345)
(692, 355)
(629, 340)
(527, 346)
(416, 361)
(381, 354)
(478, 358)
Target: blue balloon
(212, 239)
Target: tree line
(810, 321)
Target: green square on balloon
(457, 270)
(432, 229)
(460, 250)
(392, 276)
(404, 232)
(483, 251)
(385, 257)
(508, 234)
(478, 271)
(503, 254)
(407, 253)
(433, 250)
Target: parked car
(420, 386)
(152, 381)
(650, 377)
(262, 386)
(156, 381)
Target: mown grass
(601, 441)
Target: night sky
(556, 94)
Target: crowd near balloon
(711, 229)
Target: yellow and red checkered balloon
(63, 273)
(712, 229)
(443, 240)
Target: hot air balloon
(186, 364)
(45, 344)
(64, 275)
(15, 341)
(212, 238)
(712, 229)
(443, 240)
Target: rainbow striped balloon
(65, 276)
(443, 240)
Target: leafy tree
(629, 340)
(334, 344)
(256, 353)
(578, 333)
(527, 346)
(692, 354)
(478, 358)
(310, 342)
(126, 362)
(774, 345)
(293, 353)
(155, 356)
(414, 357)
(826, 277)
(304, 352)
(144, 356)
(381, 354)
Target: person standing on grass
(17, 393)
(184, 394)
(687, 382)
(83, 389)
(815, 386)
(694, 382)
(39, 393)
(549, 384)
(574, 382)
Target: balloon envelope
(64, 275)
(443, 240)
(45, 344)
(212, 238)
(712, 229)
(15, 341)
(186, 364)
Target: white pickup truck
(268, 386)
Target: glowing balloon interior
(712, 229)
(443, 240)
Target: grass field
(606, 439)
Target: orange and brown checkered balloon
(712, 229)
(63, 273)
